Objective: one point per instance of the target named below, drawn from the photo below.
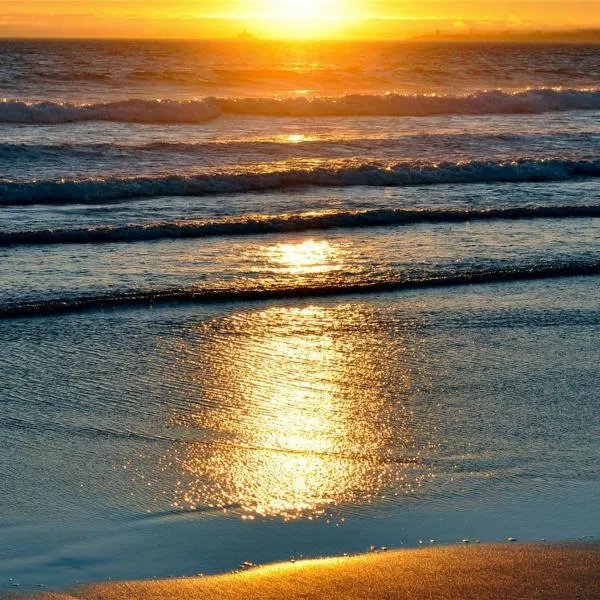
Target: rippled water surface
(327, 426)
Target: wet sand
(488, 571)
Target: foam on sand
(509, 571)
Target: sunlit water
(194, 380)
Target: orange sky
(286, 18)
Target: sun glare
(301, 411)
(301, 18)
(303, 9)
(307, 257)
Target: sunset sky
(286, 18)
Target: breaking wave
(530, 101)
(333, 174)
(285, 224)
(126, 111)
(215, 295)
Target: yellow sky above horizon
(285, 18)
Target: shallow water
(165, 442)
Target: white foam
(531, 101)
(129, 111)
(331, 175)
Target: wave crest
(126, 111)
(76, 191)
(537, 100)
(530, 101)
(209, 295)
(286, 223)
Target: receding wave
(537, 100)
(236, 294)
(286, 223)
(331, 174)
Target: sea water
(268, 300)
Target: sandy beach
(469, 571)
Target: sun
(302, 9)
(301, 18)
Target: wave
(530, 101)
(127, 111)
(279, 150)
(10, 151)
(216, 295)
(286, 223)
(538, 100)
(283, 149)
(333, 174)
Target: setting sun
(300, 19)
(304, 9)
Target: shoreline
(513, 570)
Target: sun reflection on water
(298, 410)
(307, 257)
(296, 138)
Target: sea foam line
(216, 295)
(529, 101)
(258, 225)
(332, 174)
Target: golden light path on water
(298, 409)
(304, 258)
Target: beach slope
(478, 572)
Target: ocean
(269, 300)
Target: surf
(286, 223)
(332, 174)
(195, 295)
(482, 102)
